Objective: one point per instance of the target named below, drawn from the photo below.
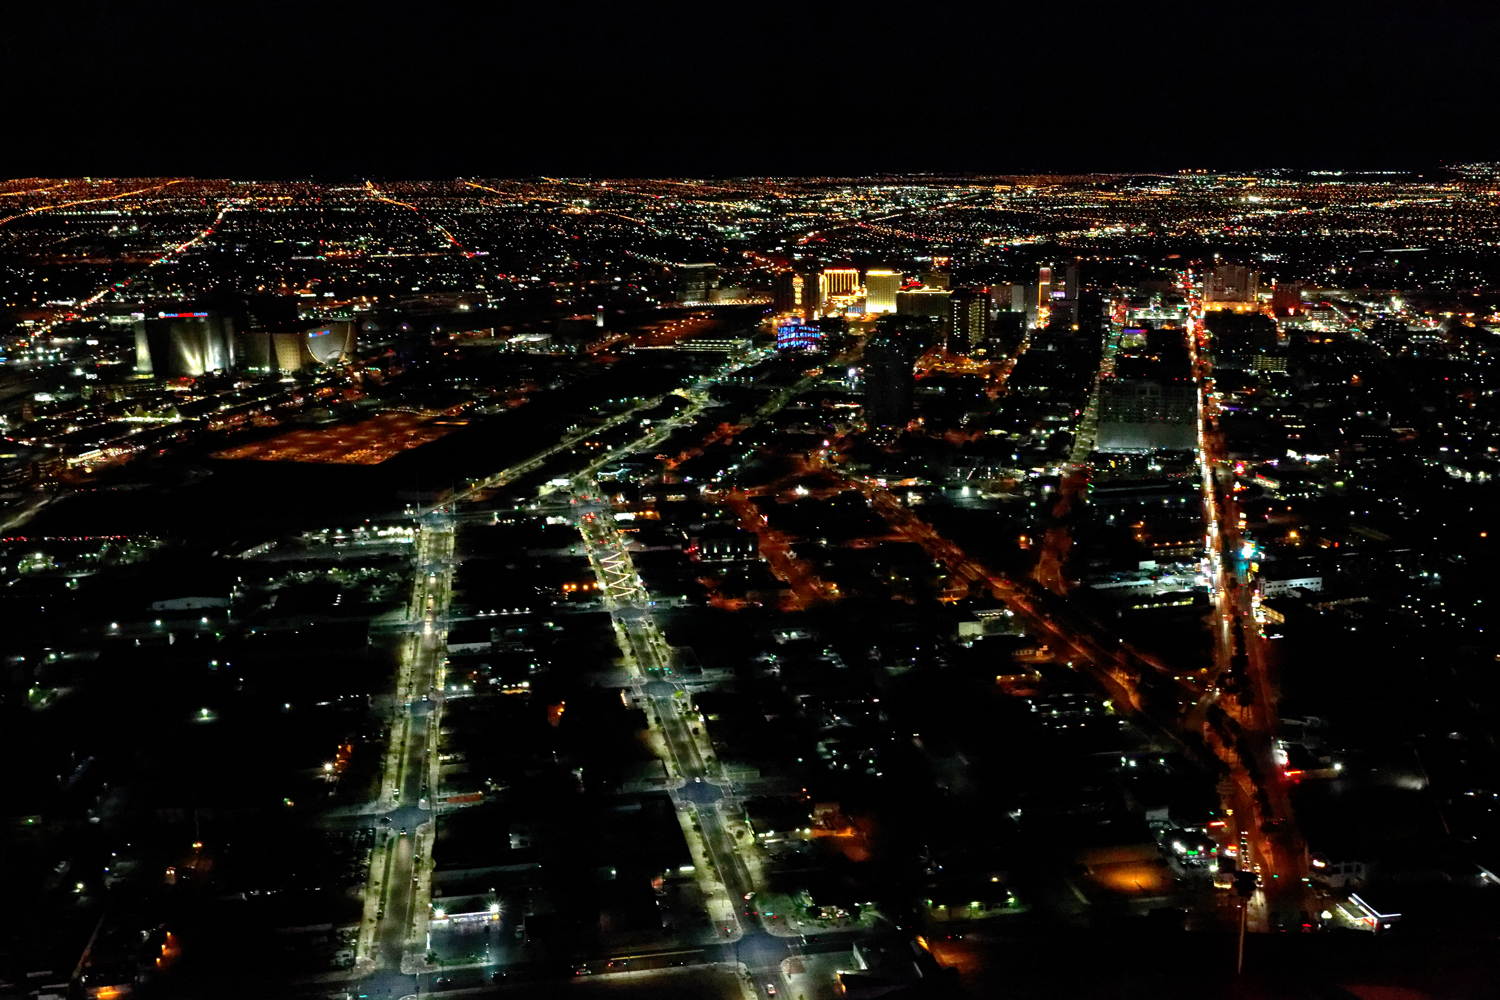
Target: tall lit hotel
(1044, 286)
(880, 291)
(840, 281)
(808, 292)
(968, 316)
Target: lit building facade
(697, 282)
(1147, 407)
(289, 350)
(968, 320)
(808, 294)
(798, 337)
(840, 281)
(1230, 286)
(184, 344)
(880, 291)
(923, 302)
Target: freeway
(698, 399)
(536, 461)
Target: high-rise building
(968, 320)
(1237, 339)
(186, 343)
(696, 282)
(1148, 404)
(889, 380)
(880, 291)
(1007, 297)
(923, 302)
(783, 294)
(1286, 298)
(1007, 330)
(1070, 283)
(1044, 287)
(1230, 285)
(808, 294)
(1064, 312)
(1013, 297)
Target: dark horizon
(676, 91)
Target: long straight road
(1257, 792)
(701, 781)
(390, 946)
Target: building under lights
(808, 294)
(880, 291)
(696, 282)
(889, 381)
(798, 337)
(184, 344)
(1230, 286)
(968, 320)
(1147, 405)
(290, 350)
(923, 302)
(840, 281)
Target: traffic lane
(451, 980)
(391, 932)
(716, 840)
(683, 747)
(731, 869)
(414, 765)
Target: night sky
(334, 90)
